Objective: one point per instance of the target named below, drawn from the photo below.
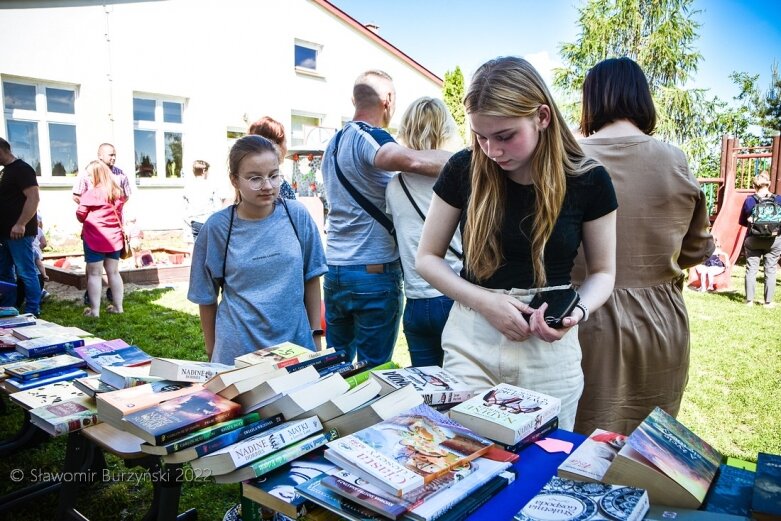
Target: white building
(171, 81)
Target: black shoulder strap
(298, 237)
(457, 253)
(362, 201)
(221, 280)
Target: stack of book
(37, 372)
(437, 387)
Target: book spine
(209, 433)
(319, 363)
(186, 429)
(333, 369)
(50, 371)
(547, 415)
(23, 385)
(358, 367)
(292, 452)
(469, 504)
(74, 424)
(445, 397)
(256, 447)
(535, 436)
(364, 497)
(37, 352)
(358, 379)
(287, 362)
(194, 374)
(235, 436)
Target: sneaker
(45, 294)
(749, 302)
(770, 305)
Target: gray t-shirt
(263, 297)
(354, 236)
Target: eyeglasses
(258, 182)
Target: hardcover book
(673, 464)
(435, 385)
(506, 413)
(42, 367)
(15, 385)
(92, 385)
(347, 401)
(766, 500)
(255, 447)
(115, 405)
(277, 459)
(112, 352)
(220, 440)
(121, 377)
(591, 459)
(279, 356)
(405, 452)
(298, 402)
(179, 416)
(46, 395)
(375, 411)
(731, 492)
(186, 370)
(64, 417)
(568, 500)
(48, 345)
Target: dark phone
(560, 302)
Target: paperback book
(38, 330)
(279, 356)
(8, 341)
(28, 319)
(179, 416)
(565, 499)
(506, 413)
(92, 385)
(247, 450)
(115, 405)
(199, 436)
(591, 459)
(48, 345)
(314, 491)
(766, 499)
(435, 385)
(298, 402)
(15, 385)
(673, 464)
(539, 434)
(42, 367)
(320, 363)
(242, 386)
(221, 381)
(347, 401)
(112, 352)
(47, 395)
(263, 393)
(185, 370)
(731, 492)
(363, 376)
(64, 417)
(121, 377)
(405, 452)
(11, 357)
(375, 411)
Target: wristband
(318, 332)
(584, 309)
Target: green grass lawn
(732, 400)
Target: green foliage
(453, 96)
(763, 108)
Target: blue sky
(440, 34)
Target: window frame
(160, 128)
(317, 48)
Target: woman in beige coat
(636, 346)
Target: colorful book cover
(64, 417)
(358, 379)
(117, 404)
(111, 352)
(403, 453)
(11, 357)
(435, 385)
(315, 491)
(17, 384)
(591, 459)
(506, 413)
(41, 367)
(93, 385)
(279, 356)
(564, 499)
(731, 492)
(47, 395)
(45, 346)
(25, 320)
(180, 416)
(677, 452)
(766, 500)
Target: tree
(453, 95)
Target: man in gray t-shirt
(363, 297)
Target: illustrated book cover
(41, 367)
(279, 356)
(112, 352)
(731, 492)
(506, 413)
(567, 500)
(64, 417)
(115, 405)
(435, 385)
(405, 452)
(179, 416)
(672, 463)
(185, 370)
(591, 459)
(46, 395)
(48, 345)
(766, 500)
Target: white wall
(232, 60)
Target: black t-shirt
(589, 196)
(14, 179)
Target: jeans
(363, 311)
(17, 261)
(754, 248)
(424, 320)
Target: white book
(347, 401)
(270, 389)
(186, 370)
(47, 395)
(302, 400)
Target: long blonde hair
(511, 87)
(427, 124)
(101, 177)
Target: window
(157, 134)
(40, 122)
(305, 56)
(301, 128)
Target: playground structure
(727, 192)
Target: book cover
(16, 384)
(115, 405)
(37, 331)
(277, 459)
(667, 459)
(180, 416)
(121, 377)
(276, 490)
(64, 417)
(358, 379)
(244, 451)
(568, 500)
(539, 434)
(731, 492)
(112, 352)
(92, 385)
(8, 341)
(28, 319)
(506, 413)
(221, 440)
(46, 395)
(314, 491)
(351, 489)
(591, 459)
(41, 367)
(49, 345)
(766, 500)
(435, 385)
(11, 357)
(279, 356)
(186, 370)
(403, 453)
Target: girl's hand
(504, 313)
(542, 330)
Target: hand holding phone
(560, 302)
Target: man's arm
(33, 197)
(394, 157)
